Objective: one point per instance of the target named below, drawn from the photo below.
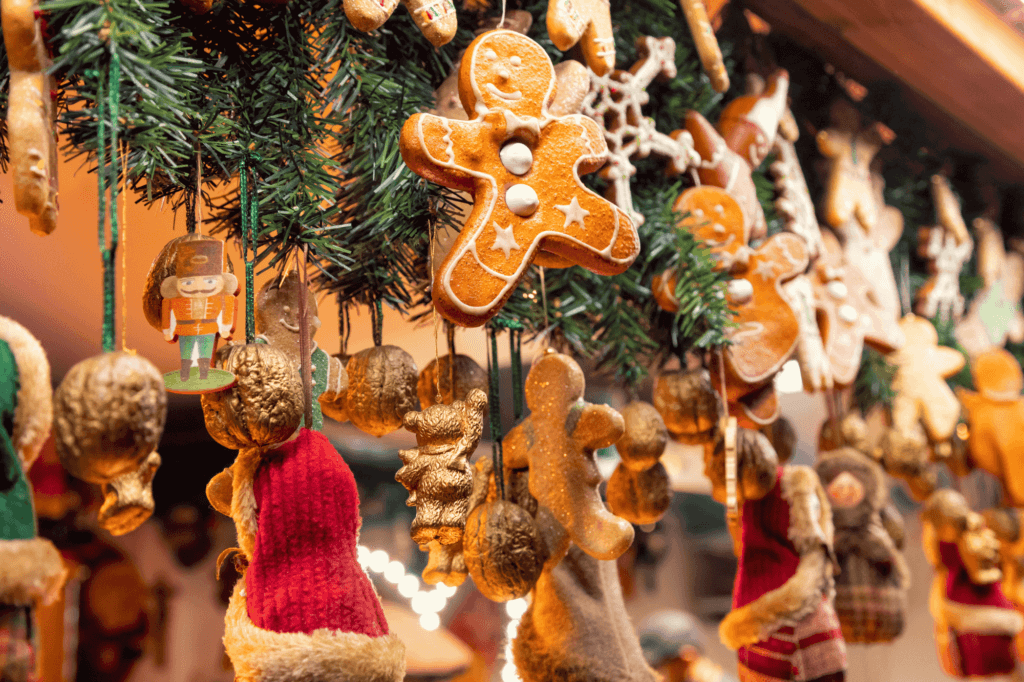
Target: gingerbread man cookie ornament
(922, 395)
(557, 443)
(31, 115)
(522, 164)
(845, 310)
(946, 246)
(995, 415)
(588, 22)
(794, 203)
(434, 18)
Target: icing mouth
(294, 328)
(509, 96)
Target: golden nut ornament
(381, 389)
(109, 414)
(335, 406)
(265, 406)
(640, 497)
(502, 550)
(645, 437)
(687, 402)
(436, 377)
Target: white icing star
(574, 213)
(766, 269)
(504, 240)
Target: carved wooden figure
(946, 246)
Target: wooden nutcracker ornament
(109, 414)
(946, 247)
(871, 588)
(278, 323)
(994, 316)
(995, 417)
(638, 489)
(31, 570)
(31, 114)
(850, 148)
(975, 624)
(381, 389)
(436, 473)
(782, 624)
(557, 442)
(435, 19)
(296, 512)
(587, 22)
(527, 193)
(198, 306)
(615, 101)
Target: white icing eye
(516, 157)
(515, 60)
(522, 200)
(719, 209)
(847, 313)
(698, 213)
(719, 228)
(837, 290)
(740, 290)
(490, 54)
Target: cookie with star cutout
(522, 164)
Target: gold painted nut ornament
(645, 437)
(109, 414)
(381, 389)
(502, 550)
(640, 497)
(336, 406)
(436, 377)
(688, 404)
(264, 408)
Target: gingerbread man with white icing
(523, 165)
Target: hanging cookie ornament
(814, 360)
(559, 451)
(1007, 525)
(381, 389)
(871, 588)
(436, 472)
(587, 22)
(707, 45)
(198, 306)
(793, 202)
(687, 403)
(994, 316)
(278, 323)
(435, 19)
(995, 417)
(527, 192)
(31, 570)
(615, 101)
(31, 115)
(782, 625)
(975, 624)
(638, 489)
(109, 414)
(946, 247)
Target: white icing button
(516, 157)
(719, 209)
(522, 200)
(698, 213)
(740, 290)
(847, 313)
(837, 290)
(490, 54)
(515, 60)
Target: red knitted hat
(304, 574)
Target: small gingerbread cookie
(523, 166)
(31, 115)
(793, 203)
(434, 18)
(946, 247)
(846, 312)
(587, 22)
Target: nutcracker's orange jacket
(195, 316)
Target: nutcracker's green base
(216, 380)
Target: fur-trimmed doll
(871, 588)
(975, 624)
(782, 624)
(31, 570)
(304, 610)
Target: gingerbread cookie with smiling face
(523, 165)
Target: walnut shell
(381, 389)
(687, 402)
(640, 497)
(468, 375)
(109, 413)
(163, 267)
(645, 437)
(502, 550)
(782, 436)
(264, 407)
(337, 407)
